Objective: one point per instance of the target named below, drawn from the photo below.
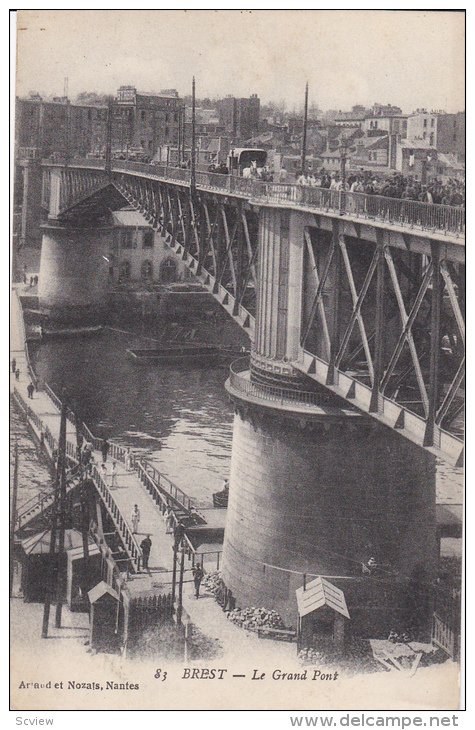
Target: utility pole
(13, 515)
(304, 135)
(175, 550)
(49, 588)
(61, 511)
(179, 610)
(68, 133)
(179, 137)
(183, 132)
(108, 165)
(84, 500)
(193, 140)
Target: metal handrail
(131, 545)
(193, 554)
(34, 378)
(401, 212)
(272, 393)
(163, 485)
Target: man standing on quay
(146, 546)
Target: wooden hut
(323, 615)
(104, 618)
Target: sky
(411, 59)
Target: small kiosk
(323, 615)
(35, 559)
(104, 634)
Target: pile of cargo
(310, 656)
(252, 618)
(255, 618)
(212, 582)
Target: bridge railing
(271, 393)
(122, 526)
(149, 473)
(406, 213)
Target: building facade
(444, 132)
(145, 121)
(240, 116)
(140, 122)
(137, 253)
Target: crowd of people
(395, 185)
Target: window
(168, 272)
(142, 115)
(147, 241)
(425, 122)
(432, 122)
(431, 139)
(125, 270)
(146, 270)
(167, 131)
(128, 238)
(167, 116)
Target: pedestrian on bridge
(105, 446)
(169, 520)
(17, 374)
(146, 546)
(13, 365)
(128, 460)
(30, 389)
(179, 533)
(113, 475)
(135, 519)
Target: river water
(179, 416)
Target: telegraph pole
(193, 139)
(179, 137)
(179, 610)
(49, 588)
(61, 511)
(68, 122)
(304, 135)
(13, 515)
(183, 132)
(108, 165)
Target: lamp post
(193, 140)
(304, 135)
(343, 160)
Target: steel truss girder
(423, 285)
(210, 236)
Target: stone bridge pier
(73, 272)
(316, 487)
